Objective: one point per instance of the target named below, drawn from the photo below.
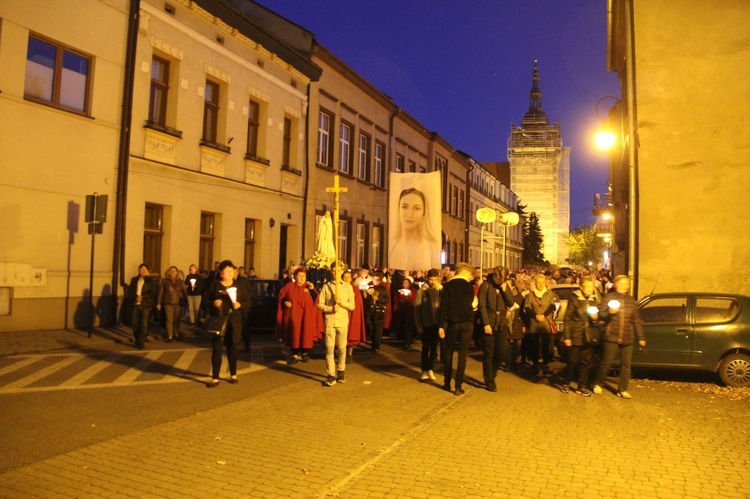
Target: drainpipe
(305, 193)
(118, 255)
(632, 145)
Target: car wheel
(734, 370)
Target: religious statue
(325, 236)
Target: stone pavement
(384, 434)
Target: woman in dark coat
(227, 298)
(298, 321)
(580, 335)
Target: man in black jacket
(493, 313)
(142, 297)
(456, 320)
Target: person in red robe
(357, 333)
(297, 318)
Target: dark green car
(697, 331)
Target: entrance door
(282, 248)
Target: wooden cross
(336, 190)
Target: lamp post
(484, 216)
(508, 219)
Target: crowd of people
(511, 316)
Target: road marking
(179, 371)
(42, 373)
(18, 365)
(90, 371)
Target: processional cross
(336, 190)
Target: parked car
(696, 331)
(265, 300)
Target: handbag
(550, 322)
(217, 325)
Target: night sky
(463, 68)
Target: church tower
(540, 174)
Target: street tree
(533, 239)
(584, 246)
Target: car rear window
(709, 310)
(671, 309)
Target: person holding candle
(194, 283)
(227, 298)
(579, 335)
(623, 325)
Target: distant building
(540, 174)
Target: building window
(249, 259)
(399, 163)
(57, 75)
(454, 252)
(454, 201)
(287, 146)
(345, 151)
(412, 167)
(363, 171)
(152, 237)
(461, 205)
(422, 169)
(325, 139)
(361, 240)
(157, 107)
(379, 162)
(206, 248)
(377, 245)
(211, 112)
(253, 128)
(344, 240)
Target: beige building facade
(61, 75)
(685, 139)
(218, 174)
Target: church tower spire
(535, 116)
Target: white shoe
(425, 376)
(597, 389)
(624, 395)
(432, 375)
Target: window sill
(258, 159)
(163, 129)
(214, 145)
(291, 170)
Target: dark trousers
(141, 317)
(458, 336)
(579, 357)
(545, 339)
(514, 350)
(375, 328)
(429, 347)
(608, 357)
(492, 348)
(230, 342)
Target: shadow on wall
(101, 315)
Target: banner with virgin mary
(414, 226)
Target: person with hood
(581, 335)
